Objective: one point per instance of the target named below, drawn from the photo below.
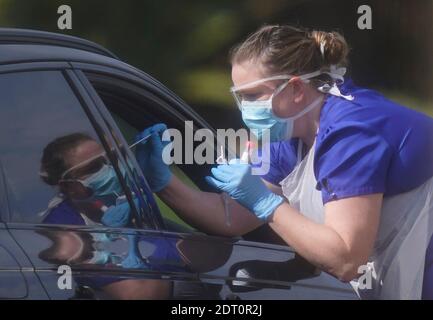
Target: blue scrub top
(364, 146)
(64, 213)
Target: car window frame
(121, 90)
(154, 90)
(144, 220)
(97, 124)
(158, 99)
(139, 182)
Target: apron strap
(299, 156)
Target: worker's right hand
(149, 157)
(237, 180)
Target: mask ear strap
(310, 107)
(280, 88)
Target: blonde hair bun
(332, 47)
(287, 49)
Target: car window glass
(131, 116)
(53, 167)
(129, 133)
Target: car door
(261, 268)
(17, 277)
(43, 107)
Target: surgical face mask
(104, 184)
(258, 115)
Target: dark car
(54, 85)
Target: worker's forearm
(318, 243)
(205, 210)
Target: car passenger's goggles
(241, 93)
(87, 167)
(90, 166)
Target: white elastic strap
(314, 104)
(334, 91)
(279, 77)
(335, 73)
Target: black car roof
(21, 53)
(22, 45)
(10, 36)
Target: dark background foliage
(185, 44)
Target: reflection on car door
(105, 264)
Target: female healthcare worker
(351, 178)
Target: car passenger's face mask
(104, 184)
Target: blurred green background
(185, 44)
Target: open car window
(133, 110)
(167, 213)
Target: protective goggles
(91, 165)
(86, 168)
(240, 93)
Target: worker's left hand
(118, 216)
(249, 190)
(149, 157)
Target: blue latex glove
(149, 157)
(134, 259)
(118, 216)
(249, 190)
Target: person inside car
(88, 187)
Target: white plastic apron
(405, 229)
